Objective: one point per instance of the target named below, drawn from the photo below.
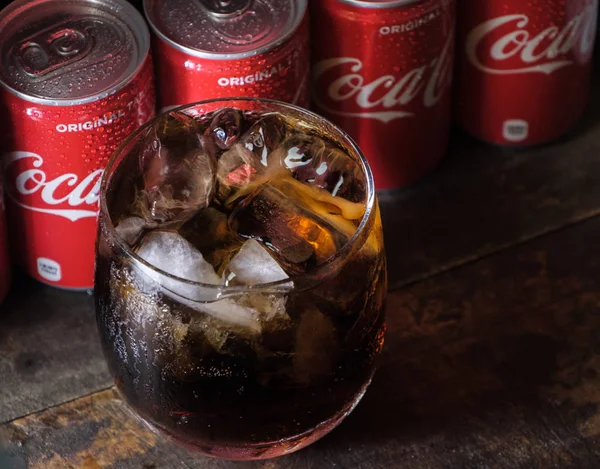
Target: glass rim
(343, 253)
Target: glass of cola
(240, 276)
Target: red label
(384, 76)
(53, 164)
(524, 68)
(281, 73)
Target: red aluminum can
(382, 71)
(524, 68)
(76, 80)
(5, 273)
(218, 49)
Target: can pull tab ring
(227, 8)
(47, 52)
(69, 42)
(239, 22)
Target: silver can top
(224, 29)
(67, 52)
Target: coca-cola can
(76, 80)
(524, 68)
(5, 270)
(219, 49)
(382, 70)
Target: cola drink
(215, 49)
(382, 71)
(76, 80)
(5, 270)
(240, 277)
(524, 68)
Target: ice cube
(322, 165)
(171, 253)
(301, 235)
(249, 162)
(236, 170)
(271, 306)
(265, 136)
(317, 347)
(224, 129)
(131, 229)
(179, 174)
(209, 232)
(253, 265)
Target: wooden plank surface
(49, 349)
(491, 365)
(484, 198)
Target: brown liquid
(227, 390)
(249, 396)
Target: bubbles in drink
(260, 290)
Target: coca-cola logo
(388, 97)
(493, 46)
(68, 195)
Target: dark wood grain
(49, 349)
(484, 198)
(492, 365)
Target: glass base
(253, 451)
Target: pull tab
(50, 50)
(226, 8)
(239, 22)
(69, 42)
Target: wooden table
(492, 357)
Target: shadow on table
(497, 360)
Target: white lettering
(106, 119)
(411, 25)
(545, 52)
(279, 69)
(383, 98)
(33, 180)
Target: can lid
(67, 52)
(224, 29)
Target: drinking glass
(241, 369)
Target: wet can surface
(524, 68)
(382, 71)
(212, 49)
(76, 80)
